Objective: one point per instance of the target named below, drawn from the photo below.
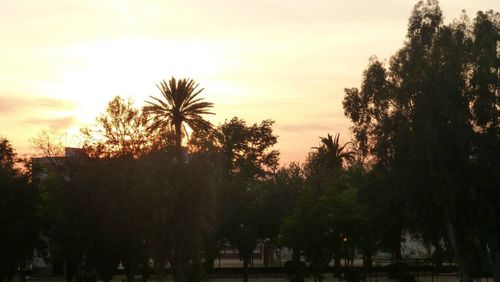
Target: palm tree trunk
(178, 135)
(178, 143)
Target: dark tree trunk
(367, 263)
(317, 271)
(22, 272)
(296, 264)
(129, 269)
(397, 254)
(69, 269)
(337, 264)
(465, 275)
(145, 270)
(11, 267)
(352, 253)
(160, 270)
(181, 271)
(396, 245)
(267, 253)
(209, 262)
(438, 255)
(496, 263)
(246, 262)
(2, 271)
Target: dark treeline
(162, 183)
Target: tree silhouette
(19, 216)
(431, 120)
(179, 106)
(120, 132)
(332, 153)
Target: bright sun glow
(129, 68)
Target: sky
(62, 61)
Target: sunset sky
(285, 60)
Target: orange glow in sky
(62, 61)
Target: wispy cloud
(13, 105)
(55, 124)
(311, 127)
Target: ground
(257, 278)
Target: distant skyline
(289, 61)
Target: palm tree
(179, 106)
(333, 152)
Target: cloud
(9, 105)
(310, 127)
(56, 124)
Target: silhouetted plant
(179, 106)
(331, 153)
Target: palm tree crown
(334, 153)
(179, 106)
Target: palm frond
(180, 104)
(335, 152)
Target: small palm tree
(179, 106)
(334, 153)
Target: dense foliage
(429, 119)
